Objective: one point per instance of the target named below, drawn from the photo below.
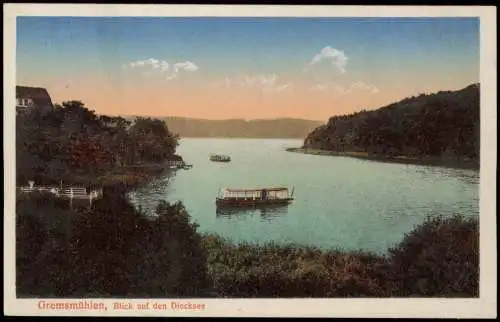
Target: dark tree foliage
(445, 125)
(109, 250)
(438, 258)
(52, 146)
(153, 140)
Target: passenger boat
(254, 197)
(220, 158)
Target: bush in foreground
(110, 250)
(438, 258)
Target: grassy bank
(437, 259)
(432, 161)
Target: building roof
(39, 95)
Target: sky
(223, 67)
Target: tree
(51, 146)
(153, 142)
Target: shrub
(438, 258)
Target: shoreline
(134, 176)
(470, 165)
(131, 176)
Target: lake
(341, 202)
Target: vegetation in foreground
(437, 259)
(113, 250)
(109, 250)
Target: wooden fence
(71, 193)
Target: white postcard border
(485, 306)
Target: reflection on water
(267, 213)
(466, 175)
(146, 197)
(340, 202)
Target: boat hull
(242, 202)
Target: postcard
(257, 161)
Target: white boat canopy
(272, 193)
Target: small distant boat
(220, 158)
(178, 164)
(254, 197)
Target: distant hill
(444, 125)
(239, 128)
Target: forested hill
(240, 128)
(444, 125)
(277, 128)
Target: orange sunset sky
(220, 68)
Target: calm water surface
(340, 202)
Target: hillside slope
(239, 128)
(443, 125)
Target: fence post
(70, 199)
